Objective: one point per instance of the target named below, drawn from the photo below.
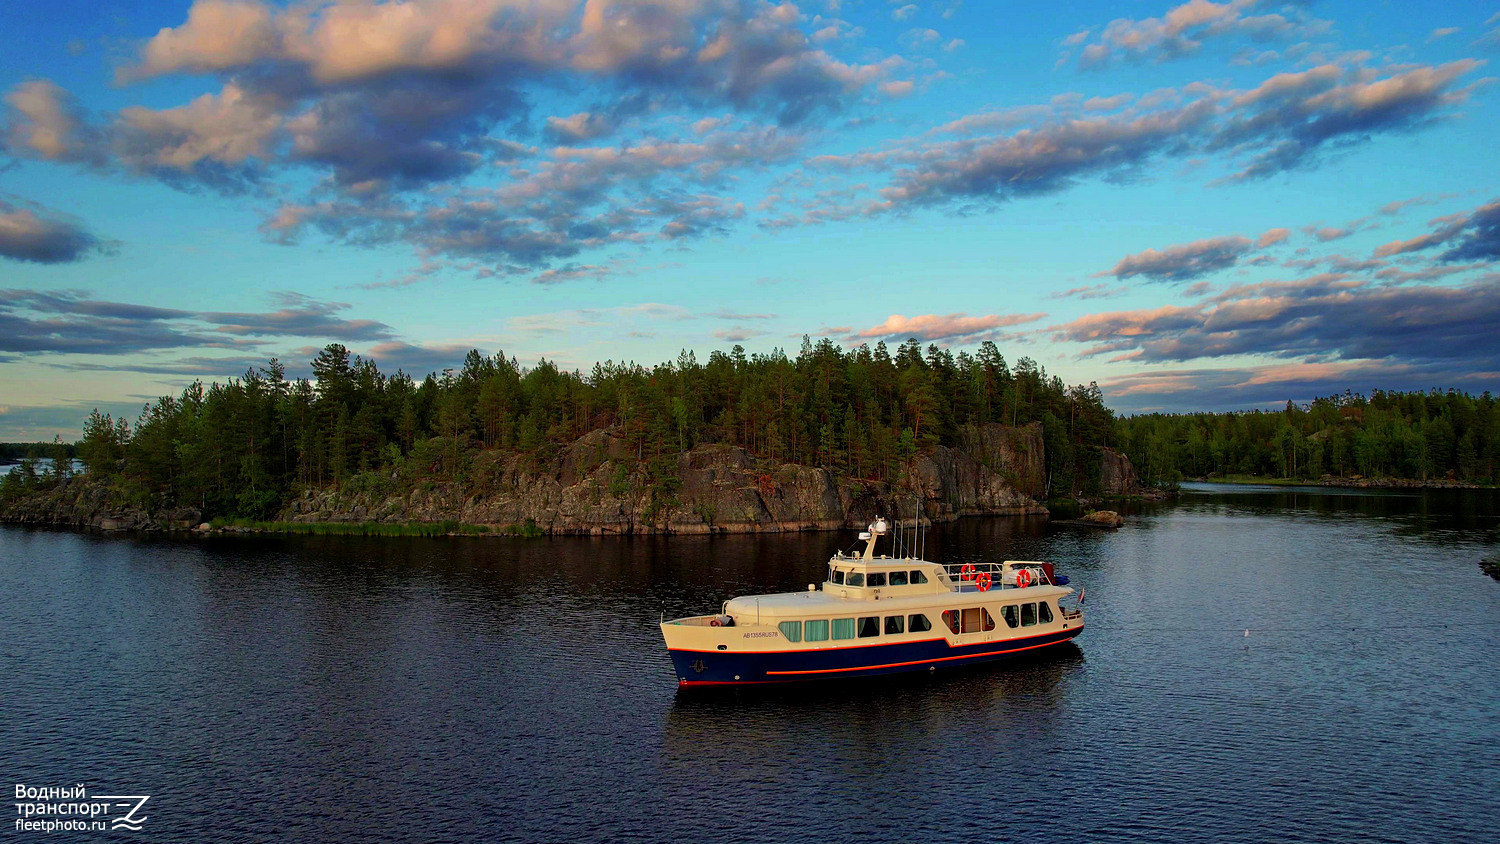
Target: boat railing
(965, 576)
(704, 621)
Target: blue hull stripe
(699, 668)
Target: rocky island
(597, 486)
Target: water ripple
(507, 690)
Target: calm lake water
(504, 689)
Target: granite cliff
(1118, 476)
(597, 486)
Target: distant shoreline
(1344, 483)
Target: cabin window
(918, 623)
(815, 631)
(877, 578)
(967, 620)
(898, 578)
(895, 625)
(869, 626)
(971, 621)
(792, 630)
(1044, 612)
(918, 577)
(838, 576)
(843, 628)
(856, 578)
(1028, 615)
(1011, 615)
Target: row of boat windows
(968, 620)
(978, 619)
(865, 627)
(879, 578)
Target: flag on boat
(1081, 593)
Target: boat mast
(877, 529)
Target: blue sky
(1199, 206)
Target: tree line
(16, 452)
(1436, 435)
(248, 445)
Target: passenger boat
(878, 614)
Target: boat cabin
(865, 574)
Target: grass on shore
(1256, 479)
(1266, 480)
(442, 528)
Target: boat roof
(891, 562)
(812, 603)
(849, 562)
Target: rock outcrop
(1118, 475)
(1491, 566)
(595, 487)
(1361, 482)
(1104, 518)
(81, 502)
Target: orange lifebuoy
(983, 581)
(1023, 578)
(967, 572)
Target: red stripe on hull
(920, 661)
(820, 650)
(777, 677)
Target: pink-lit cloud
(1273, 385)
(1476, 236)
(1288, 121)
(1324, 315)
(1183, 30)
(31, 232)
(941, 327)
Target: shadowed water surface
(304, 688)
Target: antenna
(904, 553)
(916, 531)
(916, 509)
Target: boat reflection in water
(1015, 704)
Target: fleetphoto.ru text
(73, 809)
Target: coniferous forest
(246, 446)
(1433, 436)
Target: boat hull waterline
(721, 668)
